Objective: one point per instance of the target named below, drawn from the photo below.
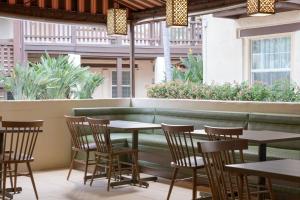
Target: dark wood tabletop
(286, 169)
(131, 125)
(262, 136)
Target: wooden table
(286, 169)
(134, 128)
(262, 138)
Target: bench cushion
(200, 118)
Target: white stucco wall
(222, 51)
(227, 57)
(6, 29)
(277, 19)
(144, 76)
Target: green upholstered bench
(153, 143)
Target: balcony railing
(149, 34)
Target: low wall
(53, 148)
(54, 144)
(235, 106)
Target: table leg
(262, 152)
(133, 180)
(262, 156)
(135, 143)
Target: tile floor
(52, 185)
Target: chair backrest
(181, 144)
(223, 133)
(79, 129)
(101, 134)
(217, 154)
(19, 139)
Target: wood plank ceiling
(94, 11)
(235, 13)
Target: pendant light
(177, 13)
(117, 21)
(261, 7)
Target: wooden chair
(19, 140)
(223, 133)
(225, 185)
(230, 133)
(184, 154)
(81, 143)
(108, 157)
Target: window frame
(264, 37)
(123, 86)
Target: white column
(119, 77)
(295, 58)
(75, 59)
(160, 70)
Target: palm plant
(88, 87)
(66, 75)
(25, 83)
(193, 72)
(51, 78)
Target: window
(270, 60)
(125, 84)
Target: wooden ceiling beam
(54, 4)
(11, 2)
(27, 3)
(288, 6)
(68, 5)
(155, 2)
(41, 3)
(195, 6)
(81, 5)
(93, 6)
(104, 7)
(132, 4)
(242, 12)
(147, 4)
(128, 5)
(18, 11)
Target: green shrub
(282, 91)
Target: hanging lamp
(261, 7)
(177, 13)
(117, 21)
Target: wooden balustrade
(149, 34)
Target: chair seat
(11, 159)
(189, 162)
(87, 147)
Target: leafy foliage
(193, 72)
(281, 91)
(51, 78)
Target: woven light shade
(261, 7)
(177, 13)
(117, 21)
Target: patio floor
(52, 185)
